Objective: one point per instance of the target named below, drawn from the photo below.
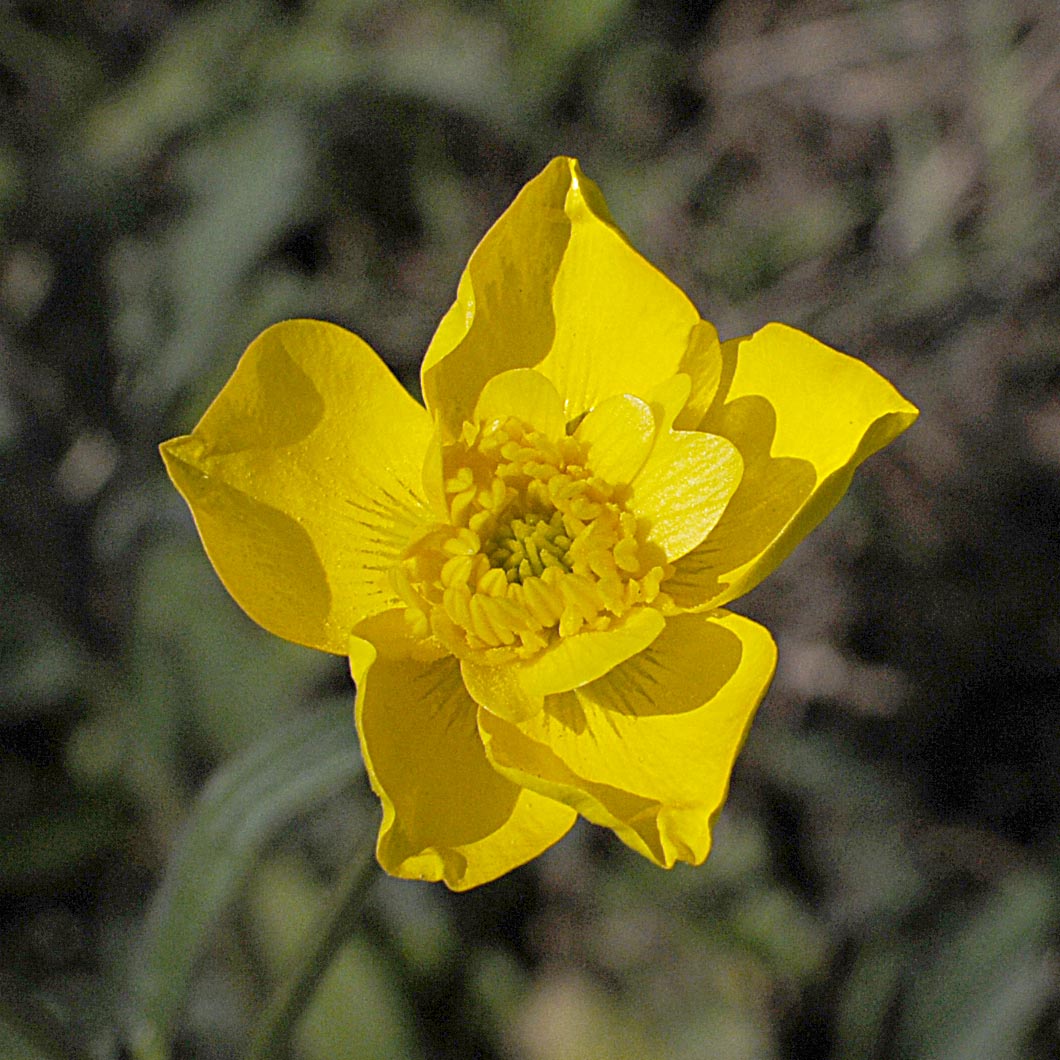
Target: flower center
(537, 547)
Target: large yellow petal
(304, 478)
(803, 417)
(554, 285)
(517, 690)
(447, 814)
(502, 317)
(648, 749)
(621, 325)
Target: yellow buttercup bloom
(529, 574)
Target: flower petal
(702, 364)
(517, 690)
(502, 317)
(621, 325)
(619, 433)
(648, 749)
(555, 286)
(803, 416)
(447, 814)
(304, 480)
(688, 478)
(525, 394)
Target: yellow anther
(650, 583)
(498, 620)
(570, 622)
(601, 562)
(584, 508)
(574, 525)
(481, 521)
(580, 594)
(492, 583)
(626, 555)
(456, 602)
(537, 548)
(612, 594)
(459, 506)
(457, 570)
(532, 643)
(542, 601)
(462, 480)
(562, 488)
(537, 494)
(464, 542)
(515, 617)
(481, 625)
(533, 555)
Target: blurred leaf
(989, 981)
(853, 812)
(40, 664)
(231, 676)
(61, 67)
(356, 1010)
(26, 1035)
(190, 74)
(322, 55)
(15, 1046)
(11, 183)
(453, 59)
(247, 184)
(775, 924)
(550, 35)
(294, 767)
(570, 1016)
(37, 1026)
(869, 995)
(54, 843)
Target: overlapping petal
(447, 814)
(684, 487)
(517, 690)
(803, 417)
(304, 478)
(619, 434)
(648, 749)
(555, 286)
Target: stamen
(537, 547)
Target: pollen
(536, 547)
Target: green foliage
(287, 772)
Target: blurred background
(180, 789)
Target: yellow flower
(529, 575)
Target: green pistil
(523, 548)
